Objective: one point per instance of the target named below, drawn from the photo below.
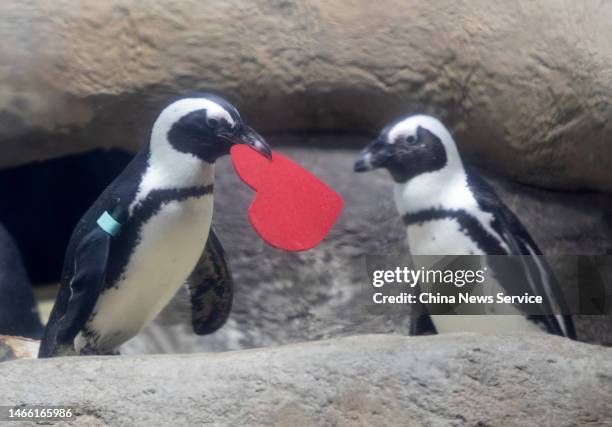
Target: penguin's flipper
(534, 276)
(211, 288)
(83, 279)
(90, 261)
(537, 276)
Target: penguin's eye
(212, 123)
(410, 139)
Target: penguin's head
(408, 147)
(206, 126)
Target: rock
(13, 347)
(292, 297)
(362, 380)
(526, 87)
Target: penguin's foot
(92, 351)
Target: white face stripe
(402, 130)
(182, 107)
(169, 168)
(409, 126)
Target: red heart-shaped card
(293, 209)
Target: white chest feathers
(443, 191)
(170, 245)
(440, 237)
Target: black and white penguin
(449, 210)
(149, 233)
(18, 310)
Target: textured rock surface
(291, 297)
(366, 380)
(527, 86)
(12, 347)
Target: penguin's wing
(211, 288)
(85, 281)
(85, 284)
(538, 276)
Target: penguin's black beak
(248, 136)
(373, 156)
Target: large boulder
(365, 380)
(15, 347)
(526, 87)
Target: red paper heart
(293, 209)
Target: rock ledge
(373, 379)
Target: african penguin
(149, 233)
(18, 310)
(449, 210)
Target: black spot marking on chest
(123, 246)
(468, 224)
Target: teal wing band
(109, 224)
